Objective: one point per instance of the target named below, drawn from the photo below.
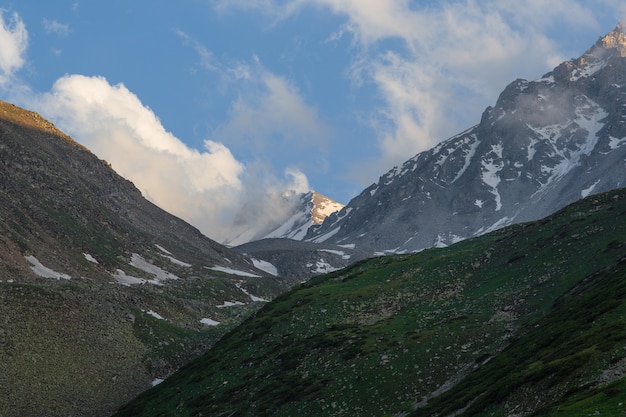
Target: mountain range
(103, 294)
(529, 320)
(544, 144)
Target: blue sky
(215, 108)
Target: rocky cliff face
(545, 144)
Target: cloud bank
(208, 187)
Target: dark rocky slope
(101, 292)
(546, 143)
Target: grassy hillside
(528, 319)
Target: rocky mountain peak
(615, 39)
(544, 144)
(323, 207)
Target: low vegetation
(528, 320)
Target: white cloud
(457, 57)
(13, 45)
(207, 188)
(56, 28)
(447, 62)
(270, 114)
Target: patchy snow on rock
(336, 252)
(40, 270)
(232, 271)
(326, 236)
(584, 193)
(505, 221)
(139, 262)
(469, 155)
(209, 322)
(491, 174)
(231, 304)
(167, 254)
(348, 246)
(588, 70)
(121, 278)
(321, 267)
(252, 297)
(90, 258)
(265, 266)
(155, 314)
(440, 243)
(162, 249)
(615, 143)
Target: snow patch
(615, 143)
(479, 203)
(155, 314)
(167, 254)
(265, 266)
(469, 155)
(40, 270)
(348, 246)
(209, 322)
(157, 381)
(232, 271)
(162, 249)
(231, 304)
(321, 267)
(530, 150)
(440, 242)
(587, 71)
(505, 221)
(252, 297)
(90, 258)
(326, 236)
(584, 193)
(139, 262)
(490, 173)
(121, 278)
(336, 252)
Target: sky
(217, 109)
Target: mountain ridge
(544, 144)
(525, 320)
(102, 293)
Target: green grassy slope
(526, 319)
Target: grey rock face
(545, 143)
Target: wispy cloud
(449, 60)
(205, 56)
(56, 28)
(13, 46)
(270, 114)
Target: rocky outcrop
(544, 144)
